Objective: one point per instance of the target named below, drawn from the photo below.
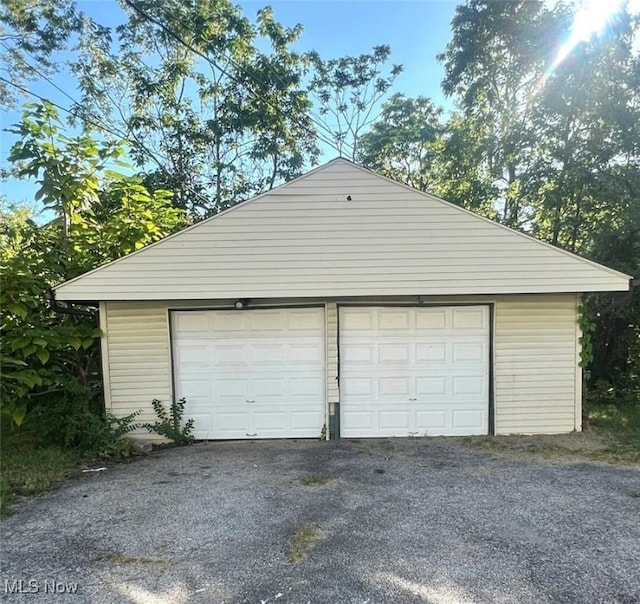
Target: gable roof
(342, 230)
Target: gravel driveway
(408, 520)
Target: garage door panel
(305, 387)
(301, 421)
(272, 421)
(432, 352)
(356, 423)
(202, 421)
(393, 387)
(305, 320)
(357, 320)
(468, 419)
(193, 356)
(431, 422)
(394, 319)
(223, 322)
(229, 355)
(469, 386)
(430, 319)
(251, 371)
(190, 323)
(356, 387)
(309, 353)
(194, 388)
(469, 318)
(228, 425)
(357, 354)
(397, 421)
(428, 387)
(394, 353)
(267, 387)
(267, 321)
(469, 351)
(409, 376)
(268, 355)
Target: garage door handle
(254, 434)
(250, 401)
(413, 399)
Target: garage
(414, 371)
(371, 308)
(253, 373)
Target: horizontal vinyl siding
(536, 376)
(306, 240)
(139, 358)
(332, 352)
(536, 364)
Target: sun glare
(591, 18)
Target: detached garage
(343, 303)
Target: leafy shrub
(170, 425)
(102, 436)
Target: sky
(416, 31)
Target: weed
(123, 559)
(30, 470)
(303, 539)
(634, 494)
(599, 445)
(170, 425)
(314, 480)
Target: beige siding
(306, 239)
(139, 357)
(536, 354)
(536, 373)
(333, 396)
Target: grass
(621, 421)
(27, 469)
(613, 437)
(314, 480)
(302, 541)
(123, 560)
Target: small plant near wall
(170, 423)
(102, 437)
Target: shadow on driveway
(395, 520)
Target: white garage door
(414, 371)
(251, 373)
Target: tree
(404, 142)
(31, 32)
(493, 64)
(210, 115)
(558, 143)
(99, 215)
(349, 91)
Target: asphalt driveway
(412, 520)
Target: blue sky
(416, 31)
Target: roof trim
(368, 171)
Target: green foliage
(27, 468)
(349, 91)
(31, 32)
(404, 141)
(99, 215)
(556, 149)
(101, 437)
(170, 424)
(215, 122)
(587, 327)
